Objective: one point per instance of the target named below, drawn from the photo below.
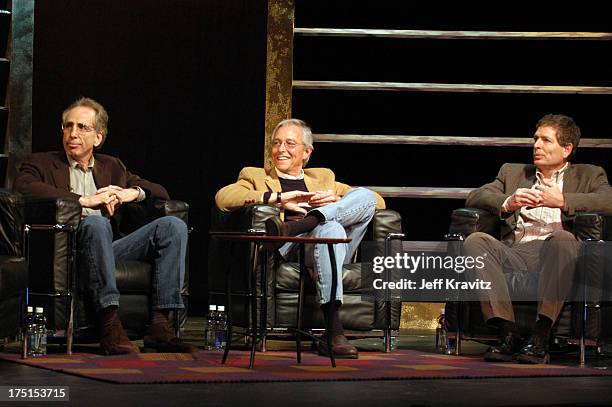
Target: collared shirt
(539, 223)
(287, 176)
(82, 182)
(266, 195)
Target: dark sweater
(288, 185)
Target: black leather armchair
(13, 267)
(53, 265)
(358, 314)
(569, 327)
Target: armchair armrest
(133, 215)
(466, 221)
(171, 207)
(51, 211)
(48, 267)
(597, 226)
(592, 275)
(11, 223)
(385, 221)
(243, 219)
(129, 217)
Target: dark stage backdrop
(183, 82)
(501, 62)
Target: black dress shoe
(535, 351)
(504, 349)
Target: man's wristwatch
(278, 198)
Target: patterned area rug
(272, 366)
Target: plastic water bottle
(28, 318)
(220, 329)
(210, 328)
(394, 340)
(29, 331)
(441, 333)
(36, 334)
(41, 329)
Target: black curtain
(183, 82)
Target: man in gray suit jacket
(536, 203)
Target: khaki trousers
(554, 258)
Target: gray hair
(306, 132)
(101, 117)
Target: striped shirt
(539, 223)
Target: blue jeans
(163, 242)
(349, 217)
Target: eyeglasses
(80, 127)
(289, 144)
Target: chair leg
(387, 330)
(72, 266)
(583, 317)
(254, 322)
(176, 323)
(300, 307)
(387, 340)
(334, 288)
(70, 330)
(24, 347)
(228, 300)
(458, 334)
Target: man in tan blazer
(536, 203)
(314, 204)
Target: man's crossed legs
(348, 217)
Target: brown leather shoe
(341, 347)
(161, 338)
(113, 339)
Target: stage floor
(506, 391)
